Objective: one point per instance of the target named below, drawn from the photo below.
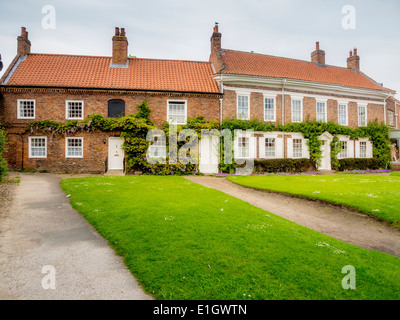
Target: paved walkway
(340, 223)
(41, 229)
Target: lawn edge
(394, 225)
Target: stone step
(114, 173)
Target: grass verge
(376, 195)
(185, 241)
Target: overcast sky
(181, 29)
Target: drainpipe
(220, 111)
(22, 149)
(283, 102)
(395, 113)
(384, 107)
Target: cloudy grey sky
(181, 29)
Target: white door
(209, 154)
(326, 155)
(115, 153)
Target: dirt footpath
(337, 222)
(45, 242)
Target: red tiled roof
(51, 70)
(246, 63)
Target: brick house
(281, 90)
(231, 85)
(56, 87)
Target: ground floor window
(343, 150)
(74, 147)
(243, 147)
(158, 147)
(270, 147)
(363, 149)
(37, 147)
(297, 148)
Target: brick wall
(374, 110)
(52, 106)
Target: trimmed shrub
(283, 165)
(359, 164)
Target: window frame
(156, 146)
(240, 148)
(273, 98)
(346, 105)
(325, 103)
(301, 148)
(390, 118)
(66, 147)
(19, 116)
(184, 102)
(266, 155)
(366, 115)
(30, 147)
(342, 144)
(301, 109)
(67, 110)
(360, 153)
(242, 94)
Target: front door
(326, 155)
(115, 153)
(209, 154)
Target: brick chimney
(216, 49)
(120, 47)
(24, 45)
(353, 61)
(318, 56)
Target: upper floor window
(37, 147)
(269, 109)
(297, 110)
(177, 112)
(321, 111)
(74, 110)
(116, 108)
(26, 109)
(342, 114)
(362, 116)
(243, 107)
(391, 118)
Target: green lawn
(185, 241)
(377, 195)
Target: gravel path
(337, 222)
(41, 229)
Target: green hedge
(283, 165)
(3, 164)
(359, 164)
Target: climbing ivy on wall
(134, 128)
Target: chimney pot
(355, 51)
(122, 34)
(116, 31)
(317, 45)
(351, 53)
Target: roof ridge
(109, 57)
(270, 55)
